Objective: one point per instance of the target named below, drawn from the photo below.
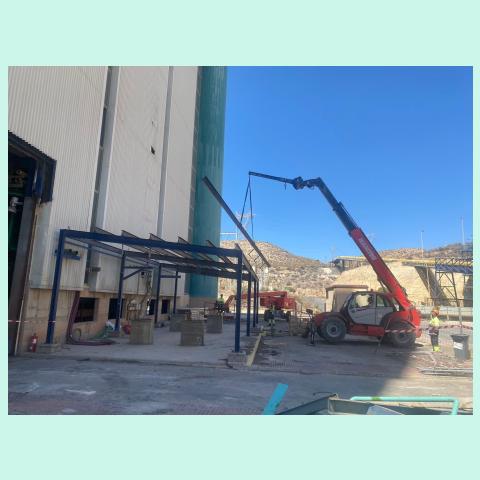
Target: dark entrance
(165, 306)
(30, 182)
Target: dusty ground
(66, 385)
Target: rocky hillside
(307, 279)
(303, 277)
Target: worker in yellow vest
(220, 304)
(434, 329)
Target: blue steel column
(249, 302)
(210, 128)
(120, 294)
(157, 298)
(55, 287)
(175, 294)
(238, 304)
(255, 293)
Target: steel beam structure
(158, 254)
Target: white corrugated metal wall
(179, 163)
(134, 171)
(58, 110)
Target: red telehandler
(390, 315)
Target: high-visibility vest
(434, 325)
(434, 322)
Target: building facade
(109, 148)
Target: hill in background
(306, 278)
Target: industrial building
(121, 150)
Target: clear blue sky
(393, 144)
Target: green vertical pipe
(209, 163)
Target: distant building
(115, 148)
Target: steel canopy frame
(155, 253)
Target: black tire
(333, 329)
(401, 340)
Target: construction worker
(220, 306)
(269, 317)
(434, 328)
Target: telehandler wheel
(401, 339)
(333, 329)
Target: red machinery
(280, 301)
(364, 313)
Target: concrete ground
(168, 379)
(165, 349)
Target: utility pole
(463, 233)
(421, 240)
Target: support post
(255, 304)
(55, 287)
(120, 294)
(157, 298)
(238, 303)
(249, 302)
(175, 293)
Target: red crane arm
(380, 267)
(365, 246)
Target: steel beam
(157, 298)
(238, 304)
(175, 294)
(119, 295)
(249, 303)
(55, 287)
(222, 202)
(145, 242)
(255, 306)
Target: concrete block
(192, 333)
(214, 324)
(48, 347)
(237, 358)
(176, 320)
(142, 331)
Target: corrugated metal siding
(58, 110)
(179, 163)
(134, 177)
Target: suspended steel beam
(222, 202)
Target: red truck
(364, 313)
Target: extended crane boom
(360, 239)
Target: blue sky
(394, 145)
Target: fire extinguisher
(32, 347)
